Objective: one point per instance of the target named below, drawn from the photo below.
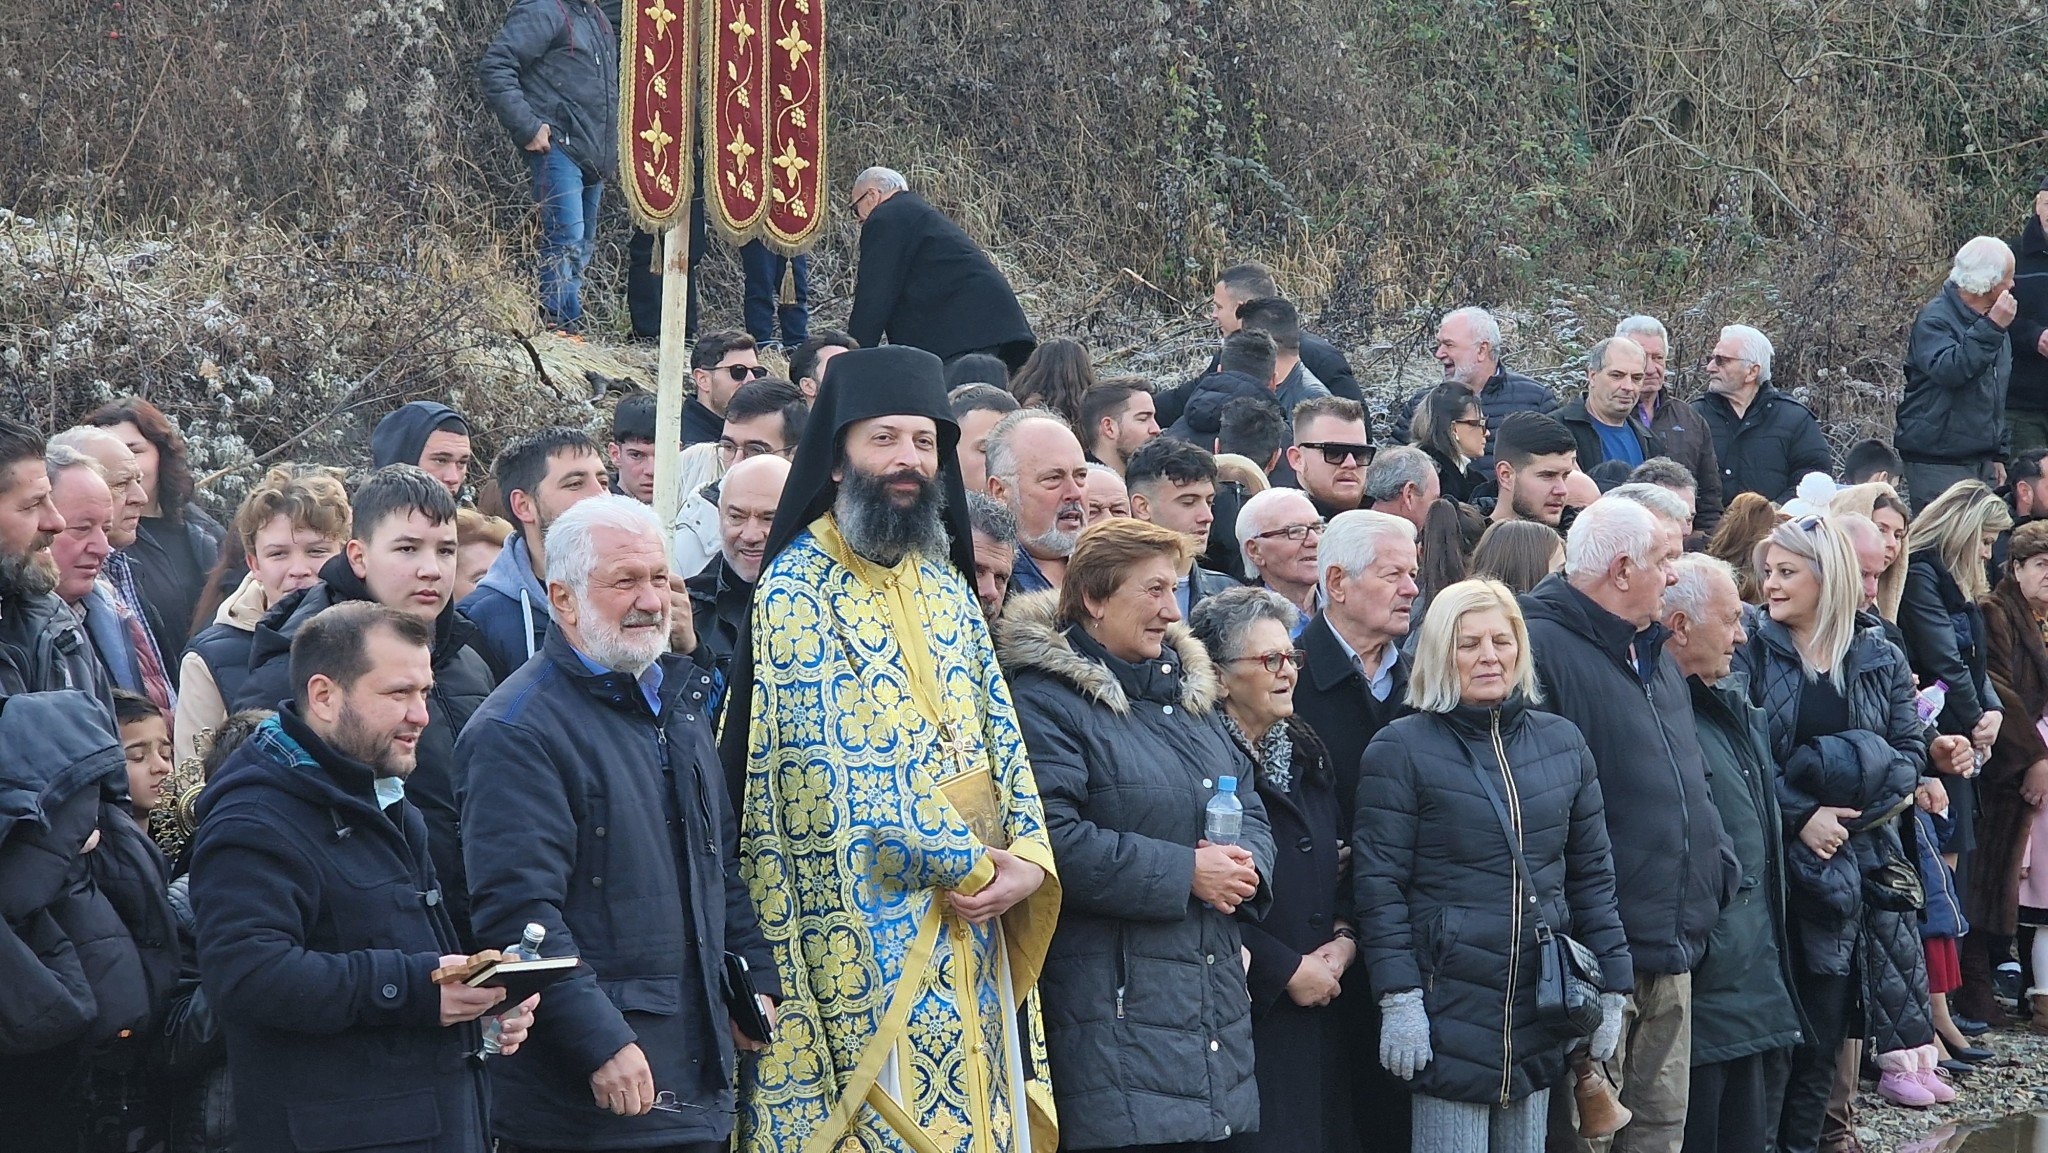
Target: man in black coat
(401, 553)
(1236, 286)
(41, 645)
(593, 805)
(428, 434)
(1764, 441)
(1600, 662)
(1468, 347)
(925, 283)
(2026, 396)
(721, 595)
(1745, 1019)
(1951, 418)
(320, 920)
(1681, 432)
(1354, 684)
(1603, 422)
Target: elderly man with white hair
(1468, 347)
(923, 282)
(1601, 661)
(1764, 441)
(1403, 483)
(1280, 533)
(1681, 432)
(1951, 419)
(594, 806)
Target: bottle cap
(536, 930)
(1226, 784)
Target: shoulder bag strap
(1507, 828)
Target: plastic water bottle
(1225, 819)
(1928, 702)
(528, 949)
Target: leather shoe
(1973, 1054)
(1957, 1068)
(1969, 1028)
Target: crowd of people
(984, 760)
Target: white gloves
(1404, 1034)
(1608, 1036)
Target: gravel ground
(2015, 1082)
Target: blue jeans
(764, 270)
(568, 222)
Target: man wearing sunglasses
(720, 362)
(1330, 453)
(1764, 440)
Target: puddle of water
(2022, 1133)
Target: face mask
(390, 791)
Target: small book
(491, 969)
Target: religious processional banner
(657, 109)
(764, 120)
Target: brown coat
(2019, 671)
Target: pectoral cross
(953, 746)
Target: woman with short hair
(1302, 949)
(1447, 913)
(290, 524)
(1147, 1020)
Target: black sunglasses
(742, 372)
(1335, 453)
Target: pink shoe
(1900, 1080)
(1930, 1077)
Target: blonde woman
(1881, 503)
(1447, 921)
(1838, 699)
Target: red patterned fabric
(657, 108)
(764, 124)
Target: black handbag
(1568, 974)
(1893, 884)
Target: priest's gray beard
(880, 526)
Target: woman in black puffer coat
(1444, 915)
(1147, 1018)
(1849, 747)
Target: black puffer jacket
(1872, 767)
(1441, 905)
(556, 62)
(1957, 366)
(1768, 448)
(1675, 863)
(68, 969)
(462, 679)
(1146, 1013)
(1742, 992)
(1945, 641)
(2029, 386)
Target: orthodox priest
(890, 830)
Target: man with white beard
(594, 807)
(1035, 465)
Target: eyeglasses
(1471, 423)
(729, 451)
(1335, 453)
(666, 1101)
(1274, 662)
(741, 373)
(1717, 360)
(1293, 531)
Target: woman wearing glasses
(1450, 426)
(1838, 699)
(1147, 1022)
(1449, 905)
(1302, 948)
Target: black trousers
(1734, 1105)
(1830, 1004)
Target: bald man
(721, 595)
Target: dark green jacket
(1741, 992)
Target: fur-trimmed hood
(1029, 636)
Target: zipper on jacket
(1123, 970)
(1507, 1007)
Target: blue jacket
(509, 608)
(607, 822)
(319, 927)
